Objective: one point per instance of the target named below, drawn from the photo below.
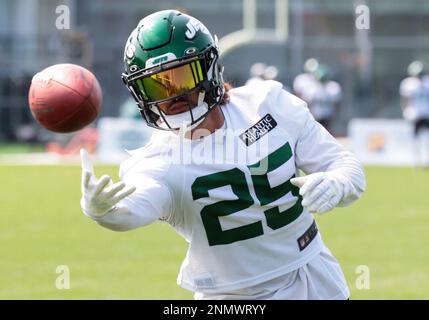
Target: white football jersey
(229, 194)
(416, 91)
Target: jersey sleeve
(316, 150)
(151, 201)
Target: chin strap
(183, 120)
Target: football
(65, 97)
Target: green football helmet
(168, 57)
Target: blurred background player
(259, 71)
(414, 92)
(303, 80)
(320, 92)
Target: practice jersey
(416, 91)
(229, 194)
(321, 97)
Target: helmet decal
(160, 59)
(193, 27)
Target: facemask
(184, 119)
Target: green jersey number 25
(236, 179)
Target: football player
(320, 92)
(307, 78)
(222, 170)
(414, 92)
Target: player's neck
(211, 123)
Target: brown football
(65, 97)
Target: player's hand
(321, 191)
(99, 195)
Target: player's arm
(334, 175)
(125, 205)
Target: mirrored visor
(171, 82)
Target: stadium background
(41, 226)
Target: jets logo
(193, 26)
(156, 61)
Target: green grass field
(41, 227)
(19, 148)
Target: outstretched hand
(99, 195)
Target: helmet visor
(170, 83)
